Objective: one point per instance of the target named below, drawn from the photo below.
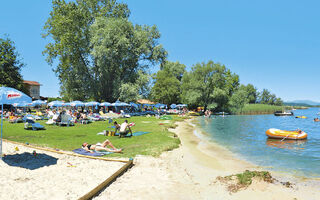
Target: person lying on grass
(100, 147)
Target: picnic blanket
(86, 153)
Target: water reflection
(286, 144)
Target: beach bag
(110, 133)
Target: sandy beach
(189, 172)
(48, 175)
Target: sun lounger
(66, 120)
(30, 124)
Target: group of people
(123, 129)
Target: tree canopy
(209, 84)
(98, 48)
(10, 66)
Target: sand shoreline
(190, 172)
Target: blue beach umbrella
(173, 106)
(56, 104)
(10, 96)
(76, 103)
(105, 104)
(38, 103)
(22, 104)
(134, 105)
(92, 103)
(67, 104)
(117, 103)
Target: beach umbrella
(56, 104)
(38, 102)
(173, 106)
(118, 103)
(67, 104)
(22, 104)
(158, 105)
(105, 104)
(10, 96)
(76, 103)
(134, 105)
(92, 103)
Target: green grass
(252, 109)
(243, 180)
(69, 138)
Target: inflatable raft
(302, 117)
(281, 134)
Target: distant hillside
(302, 103)
(296, 104)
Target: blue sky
(270, 44)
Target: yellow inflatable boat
(302, 117)
(281, 134)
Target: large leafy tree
(119, 48)
(238, 99)
(252, 93)
(267, 98)
(10, 66)
(97, 48)
(209, 84)
(175, 68)
(166, 88)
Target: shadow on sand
(29, 161)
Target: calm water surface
(245, 136)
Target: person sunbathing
(100, 147)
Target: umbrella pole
(1, 131)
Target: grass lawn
(69, 138)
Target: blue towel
(139, 133)
(86, 153)
(134, 134)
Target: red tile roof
(31, 82)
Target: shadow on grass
(29, 161)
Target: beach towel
(138, 133)
(95, 153)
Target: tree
(174, 68)
(119, 48)
(238, 100)
(208, 84)
(265, 96)
(166, 88)
(131, 92)
(10, 66)
(97, 48)
(278, 102)
(252, 93)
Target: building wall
(34, 91)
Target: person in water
(100, 147)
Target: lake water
(245, 136)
